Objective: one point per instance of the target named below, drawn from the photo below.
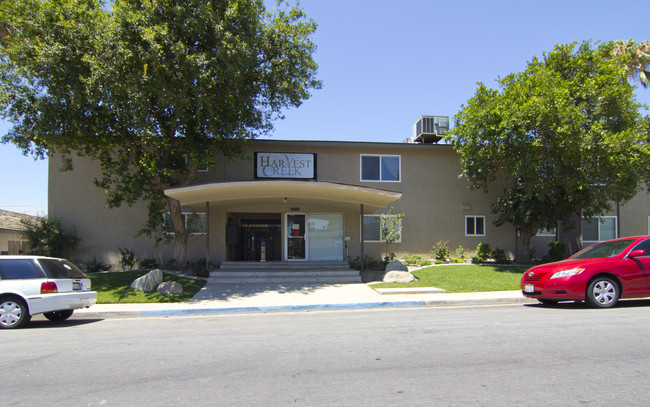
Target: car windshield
(605, 249)
(61, 269)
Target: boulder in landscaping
(170, 287)
(396, 265)
(398, 277)
(149, 282)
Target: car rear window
(60, 269)
(11, 269)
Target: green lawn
(464, 278)
(115, 288)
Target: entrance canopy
(281, 191)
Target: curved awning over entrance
(246, 192)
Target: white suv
(32, 285)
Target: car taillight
(48, 288)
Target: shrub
(416, 260)
(94, 266)
(199, 269)
(369, 264)
(483, 252)
(500, 256)
(558, 251)
(127, 258)
(441, 251)
(149, 263)
(47, 237)
(460, 252)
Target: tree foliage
(48, 237)
(566, 135)
(151, 89)
(390, 226)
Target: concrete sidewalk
(264, 298)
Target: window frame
(381, 240)
(598, 218)
(186, 215)
(475, 217)
(380, 156)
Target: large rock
(396, 265)
(149, 282)
(398, 277)
(170, 287)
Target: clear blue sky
(385, 63)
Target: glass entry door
(296, 237)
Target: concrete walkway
(264, 298)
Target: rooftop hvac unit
(430, 129)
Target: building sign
(285, 165)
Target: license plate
(529, 288)
(76, 285)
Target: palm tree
(637, 59)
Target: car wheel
(13, 313)
(56, 316)
(602, 292)
(547, 302)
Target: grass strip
(115, 288)
(464, 278)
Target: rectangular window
(599, 228)
(474, 225)
(195, 223)
(372, 229)
(385, 168)
(546, 232)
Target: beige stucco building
(305, 201)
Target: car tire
(58, 316)
(13, 313)
(602, 292)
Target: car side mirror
(636, 253)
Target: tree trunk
(522, 250)
(180, 232)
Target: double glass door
(315, 237)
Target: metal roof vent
(430, 129)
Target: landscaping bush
(368, 264)
(47, 237)
(500, 256)
(441, 251)
(127, 258)
(94, 266)
(416, 260)
(149, 263)
(460, 253)
(483, 252)
(557, 251)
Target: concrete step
(285, 276)
(284, 265)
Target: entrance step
(284, 272)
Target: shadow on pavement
(224, 292)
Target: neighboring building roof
(11, 220)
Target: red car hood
(570, 263)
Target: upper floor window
(599, 228)
(381, 168)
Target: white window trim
(185, 216)
(380, 156)
(380, 234)
(546, 232)
(475, 217)
(599, 238)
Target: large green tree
(565, 136)
(151, 89)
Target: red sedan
(600, 274)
